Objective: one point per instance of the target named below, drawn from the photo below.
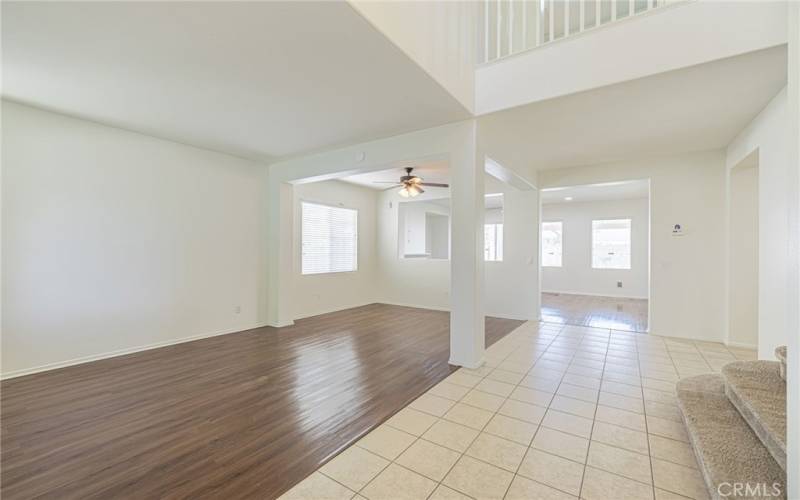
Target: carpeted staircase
(736, 421)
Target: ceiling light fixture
(568, 198)
(410, 190)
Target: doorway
(595, 256)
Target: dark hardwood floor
(245, 415)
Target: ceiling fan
(411, 185)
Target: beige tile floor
(556, 412)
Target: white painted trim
(120, 352)
(595, 294)
(279, 324)
(469, 366)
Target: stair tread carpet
(728, 451)
(757, 390)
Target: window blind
(329, 239)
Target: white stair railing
(508, 27)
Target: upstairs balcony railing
(509, 27)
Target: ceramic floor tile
(477, 479)
(668, 412)
(442, 492)
(386, 441)
(566, 422)
(522, 411)
(470, 416)
(504, 376)
(621, 402)
(582, 381)
(462, 378)
(449, 391)
(411, 421)
(679, 479)
(559, 443)
(531, 396)
(354, 467)
(602, 485)
(451, 435)
(497, 451)
(484, 400)
(672, 451)
(552, 470)
(573, 406)
(318, 487)
(433, 405)
(621, 437)
(667, 428)
(577, 392)
(623, 462)
(541, 384)
(429, 459)
(398, 483)
(495, 387)
(525, 489)
(622, 389)
(510, 428)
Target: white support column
(280, 231)
(467, 336)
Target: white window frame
(303, 272)
(501, 246)
(554, 221)
(630, 243)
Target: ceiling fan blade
(392, 187)
(434, 184)
(384, 182)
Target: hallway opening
(595, 256)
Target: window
(552, 244)
(493, 242)
(611, 244)
(329, 239)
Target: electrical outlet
(619, 284)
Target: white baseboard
(569, 292)
(331, 310)
(416, 306)
(119, 352)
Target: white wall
(114, 241)
(576, 274)
(687, 273)
(768, 134)
(413, 281)
(320, 293)
(438, 36)
(670, 38)
(743, 256)
(511, 286)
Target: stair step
(780, 353)
(727, 450)
(757, 390)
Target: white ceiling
(255, 79)
(432, 171)
(691, 109)
(596, 192)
